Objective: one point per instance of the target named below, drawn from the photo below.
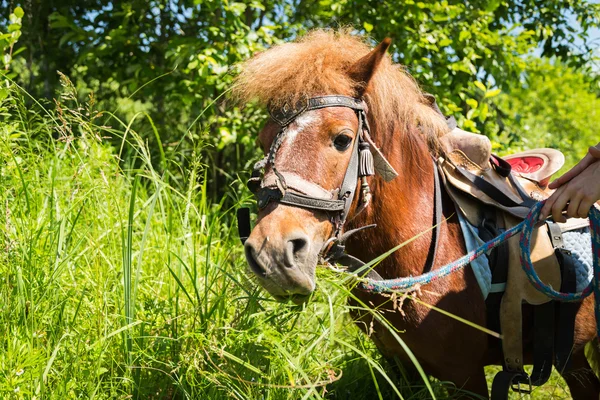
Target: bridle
(293, 190)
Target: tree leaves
(173, 58)
(492, 93)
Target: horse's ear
(363, 70)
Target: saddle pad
(481, 265)
(578, 242)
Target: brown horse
(283, 248)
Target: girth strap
(543, 342)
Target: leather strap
(566, 313)
(355, 266)
(243, 219)
(493, 191)
(285, 114)
(350, 182)
(297, 199)
(556, 236)
(450, 121)
(498, 261)
(266, 195)
(528, 201)
(543, 345)
(503, 381)
(501, 166)
(437, 220)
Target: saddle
(494, 194)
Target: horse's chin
(297, 288)
(297, 299)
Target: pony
(284, 246)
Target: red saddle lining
(526, 164)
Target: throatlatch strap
(354, 265)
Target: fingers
(584, 207)
(580, 193)
(547, 209)
(573, 208)
(595, 151)
(573, 172)
(559, 205)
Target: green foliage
(114, 284)
(175, 59)
(451, 46)
(554, 107)
(121, 274)
(8, 41)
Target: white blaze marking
(299, 125)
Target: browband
(285, 114)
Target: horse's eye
(342, 142)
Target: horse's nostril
(296, 250)
(255, 266)
(299, 245)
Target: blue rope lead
(409, 283)
(526, 229)
(527, 265)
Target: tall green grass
(118, 280)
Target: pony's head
(323, 92)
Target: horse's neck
(404, 209)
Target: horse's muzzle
(285, 266)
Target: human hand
(579, 188)
(592, 155)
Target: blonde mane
(318, 63)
